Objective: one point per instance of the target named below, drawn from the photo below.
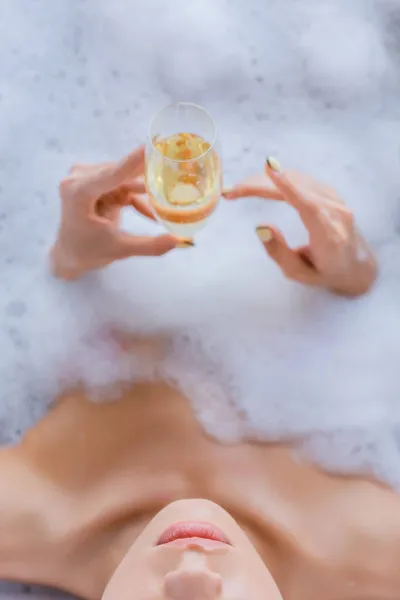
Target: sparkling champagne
(183, 179)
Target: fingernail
(273, 164)
(185, 244)
(227, 191)
(265, 234)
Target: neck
(76, 495)
(47, 539)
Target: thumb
(289, 261)
(131, 245)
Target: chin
(192, 549)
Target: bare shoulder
(354, 539)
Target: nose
(193, 585)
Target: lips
(193, 531)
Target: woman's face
(192, 550)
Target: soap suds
(257, 355)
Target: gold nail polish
(265, 234)
(185, 244)
(227, 191)
(274, 164)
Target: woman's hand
(92, 197)
(337, 257)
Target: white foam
(316, 84)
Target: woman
(131, 499)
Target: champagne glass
(183, 168)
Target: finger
(255, 186)
(294, 195)
(136, 186)
(130, 245)
(140, 203)
(309, 197)
(79, 168)
(123, 196)
(289, 261)
(127, 168)
(307, 183)
(105, 179)
(306, 255)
